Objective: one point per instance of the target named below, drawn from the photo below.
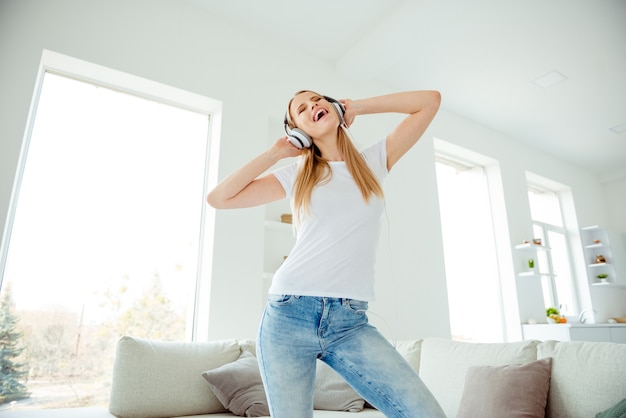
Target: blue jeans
(297, 330)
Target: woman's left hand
(351, 110)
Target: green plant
(602, 276)
(552, 311)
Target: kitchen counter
(576, 331)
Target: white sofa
(154, 379)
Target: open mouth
(320, 114)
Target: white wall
(615, 194)
(170, 43)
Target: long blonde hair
(315, 170)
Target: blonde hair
(315, 170)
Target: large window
(554, 265)
(470, 255)
(106, 235)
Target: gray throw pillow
(332, 393)
(506, 391)
(238, 386)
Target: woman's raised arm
(244, 188)
(421, 107)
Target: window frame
(53, 62)
(533, 186)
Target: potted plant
(602, 277)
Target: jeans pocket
(279, 300)
(356, 306)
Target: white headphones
(301, 139)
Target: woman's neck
(329, 149)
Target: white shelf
(530, 246)
(530, 274)
(615, 285)
(590, 228)
(592, 246)
(598, 265)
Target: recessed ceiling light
(619, 129)
(550, 79)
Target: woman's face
(313, 114)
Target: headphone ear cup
(298, 138)
(339, 108)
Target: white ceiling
(483, 55)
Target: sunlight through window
(469, 253)
(106, 236)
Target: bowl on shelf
(620, 320)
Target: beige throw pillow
(506, 391)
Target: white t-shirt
(336, 242)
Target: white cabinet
(599, 256)
(618, 335)
(596, 334)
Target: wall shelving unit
(525, 252)
(596, 242)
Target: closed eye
(302, 107)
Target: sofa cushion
(506, 391)
(580, 386)
(83, 412)
(238, 386)
(153, 379)
(333, 393)
(411, 351)
(444, 364)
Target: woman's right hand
(282, 148)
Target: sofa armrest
(154, 379)
(587, 377)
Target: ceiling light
(550, 79)
(619, 129)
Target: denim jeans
(297, 330)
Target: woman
(318, 299)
